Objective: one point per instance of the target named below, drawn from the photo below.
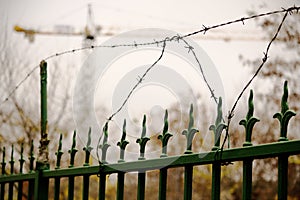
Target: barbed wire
(203, 30)
(264, 60)
(178, 38)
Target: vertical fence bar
(216, 181)
(248, 123)
(188, 170)
(58, 154)
(188, 182)
(247, 179)
(72, 153)
(120, 186)
(283, 117)
(31, 167)
(11, 184)
(163, 184)
(141, 185)
(121, 175)
(217, 129)
(3, 164)
(282, 177)
(20, 183)
(86, 178)
(102, 186)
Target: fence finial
(143, 140)
(21, 160)
(285, 115)
(3, 163)
(165, 136)
(88, 148)
(123, 143)
(104, 145)
(219, 126)
(73, 150)
(190, 132)
(12, 161)
(59, 152)
(249, 121)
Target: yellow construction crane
(89, 32)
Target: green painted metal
(3, 164)
(188, 182)
(20, 183)
(11, 184)
(283, 117)
(102, 185)
(217, 129)
(59, 152)
(120, 186)
(86, 178)
(165, 136)
(31, 169)
(73, 151)
(43, 158)
(162, 195)
(123, 143)
(190, 132)
(143, 140)
(104, 146)
(141, 185)
(39, 179)
(219, 126)
(41, 184)
(248, 123)
(87, 149)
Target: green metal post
(41, 184)
(163, 184)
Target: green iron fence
(40, 174)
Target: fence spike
(31, 157)
(12, 161)
(190, 132)
(104, 146)
(249, 121)
(123, 143)
(21, 160)
(3, 163)
(285, 115)
(73, 151)
(219, 126)
(143, 140)
(59, 152)
(165, 136)
(88, 149)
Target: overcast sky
(120, 16)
